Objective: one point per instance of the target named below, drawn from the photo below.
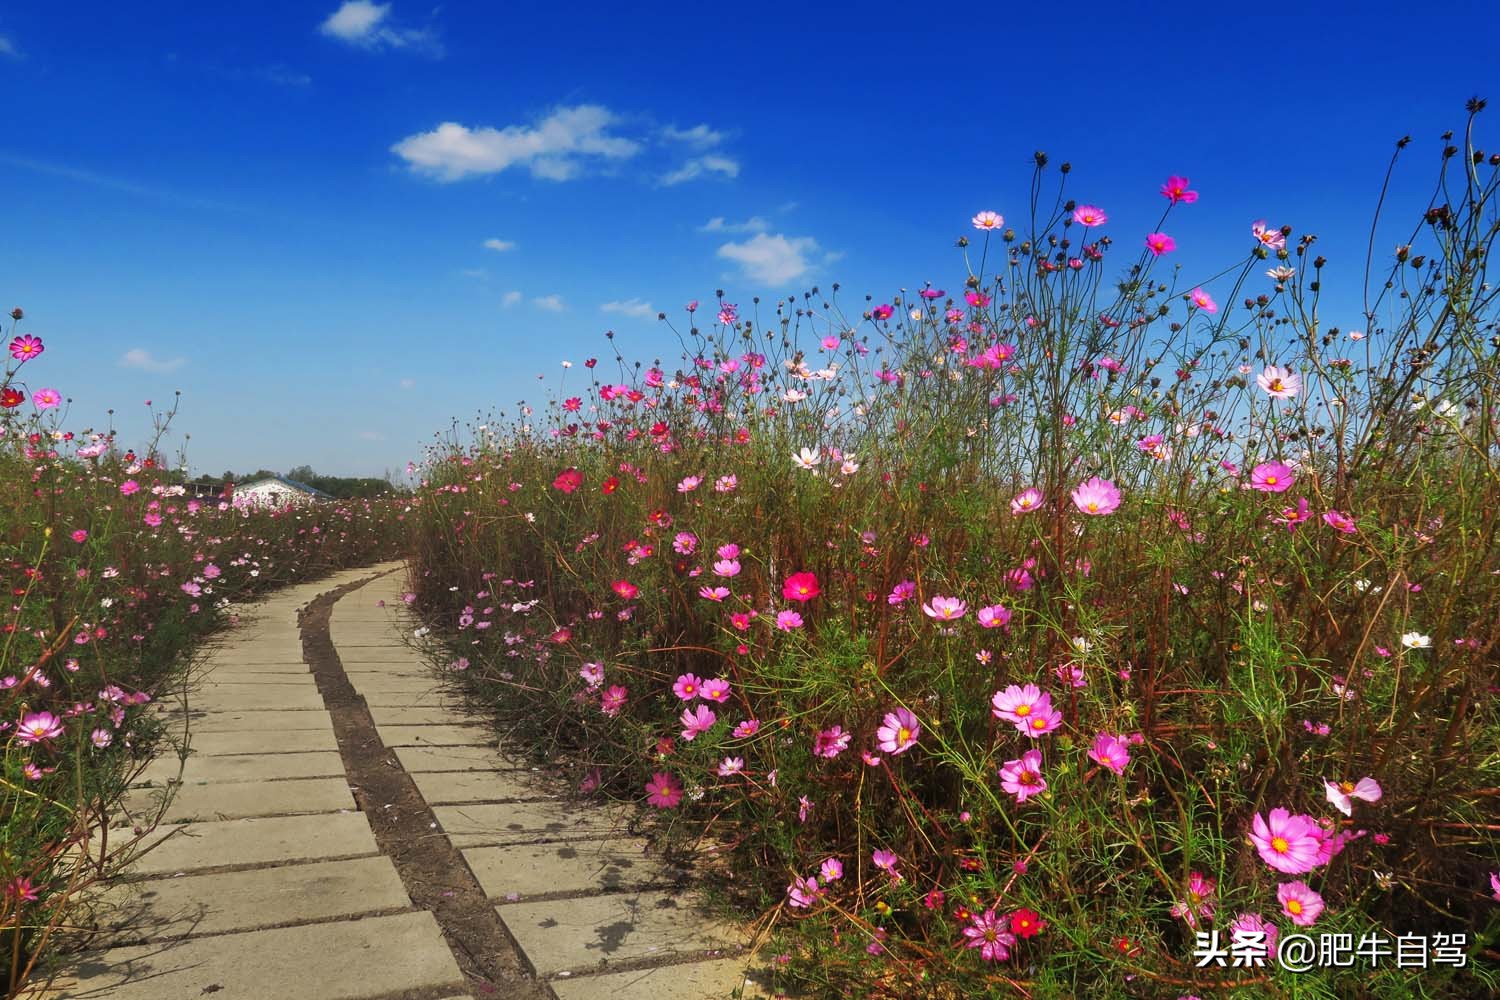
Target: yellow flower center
(1270, 480)
(1276, 385)
(1280, 845)
(1039, 723)
(1294, 907)
(903, 734)
(1023, 709)
(1093, 506)
(1347, 786)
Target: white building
(277, 492)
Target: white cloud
(143, 359)
(370, 26)
(501, 245)
(774, 260)
(408, 383)
(754, 224)
(8, 47)
(553, 149)
(551, 303)
(511, 298)
(630, 307)
(699, 136)
(693, 169)
(283, 76)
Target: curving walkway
(345, 830)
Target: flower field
(113, 577)
(1028, 636)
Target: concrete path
(344, 828)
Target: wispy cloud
(699, 136)
(555, 148)
(112, 183)
(139, 357)
(511, 298)
(408, 383)
(370, 26)
(475, 272)
(754, 224)
(500, 245)
(282, 76)
(630, 307)
(8, 47)
(551, 303)
(700, 167)
(774, 260)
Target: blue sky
(282, 209)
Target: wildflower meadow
(1079, 627)
(114, 578)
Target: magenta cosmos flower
(1176, 190)
(1026, 501)
(1199, 904)
(884, 860)
(1272, 477)
(994, 616)
(1203, 300)
(1110, 751)
(1160, 243)
(25, 347)
(1097, 496)
(991, 935)
(1254, 923)
(663, 790)
(831, 742)
(38, 727)
(800, 587)
(717, 690)
(1288, 843)
(1023, 778)
(900, 731)
(612, 700)
(1343, 793)
(1299, 902)
(1340, 521)
(46, 399)
(687, 687)
(697, 721)
(1273, 239)
(788, 620)
(1089, 215)
(945, 608)
(1279, 383)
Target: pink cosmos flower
(945, 608)
(697, 721)
(727, 567)
(1299, 902)
(1018, 703)
(1110, 751)
(592, 674)
(715, 690)
(1495, 885)
(1097, 496)
(713, 593)
(25, 347)
(613, 700)
(38, 727)
(831, 870)
(901, 592)
(689, 484)
(991, 935)
(994, 616)
(746, 729)
(80, 536)
(1176, 190)
(1279, 383)
(1043, 720)
(1272, 477)
(831, 742)
(730, 766)
(1340, 522)
(1272, 239)
(803, 892)
(742, 619)
(884, 860)
(800, 587)
(900, 731)
(1293, 516)
(685, 544)
(1026, 501)
(1288, 843)
(1160, 243)
(46, 399)
(1203, 300)
(1023, 778)
(687, 687)
(1343, 793)
(101, 738)
(1253, 924)
(988, 221)
(1089, 215)
(625, 589)
(1199, 904)
(788, 620)
(663, 790)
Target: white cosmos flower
(807, 458)
(1416, 640)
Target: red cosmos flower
(800, 587)
(568, 480)
(11, 398)
(658, 429)
(562, 635)
(1026, 923)
(591, 362)
(625, 589)
(610, 485)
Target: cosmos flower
(945, 608)
(994, 616)
(1299, 902)
(663, 790)
(831, 742)
(1288, 843)
(988, 221)
(1279, 383)
(800, 587)
(1026, 501)
(1097, 497)
(25, 347)
(991, 935)
(1176, 190)
(900, 731)
(1203, 300)
(1160, 243)
(1110, 751)
(38, 727)
(1339, 521)
(1272, 239)
(1272, 477)
(697, 721)
(1023, 778)
(1343, 793)
(46, 399)
(1089, 215)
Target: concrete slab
(590, 932)
(221, 670)
(238, 800)
(523, 822)
(437, 736)
(252, 721)
(385, 715)
(256, 698)
(344, 960)
(264, 741)
(157, 909)
(246, 767)
(276, 840)
(416, 759)
(511, 874)
(404, 681)
(451, 787)
(445, 701)
(714, 980)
